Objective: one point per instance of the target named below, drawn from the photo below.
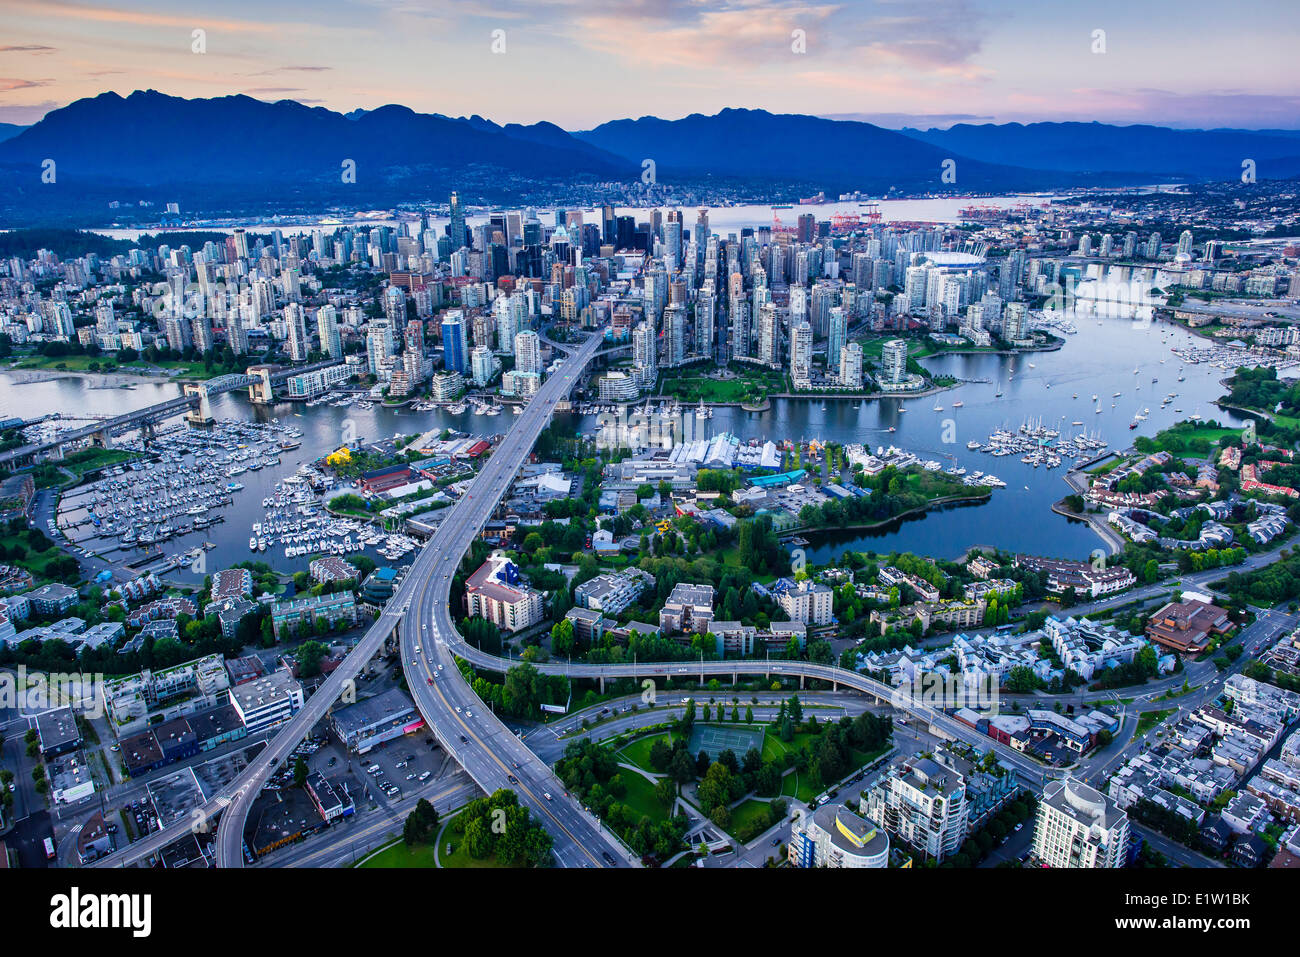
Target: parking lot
(400, 766)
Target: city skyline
(958, 61)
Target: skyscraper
(380, 345)
(769, 352)
(327, 327)
(674, 335)
(457, 228)
(836, 337)
(1079, 827)
(455, 342)
(528, 351)
(893, 361)
(851, 366)
(801, 342)
(705, 309)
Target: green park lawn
(748, 812)
(399, 855)
(692, 385)
(640, 796)
(638, 752)
(1149, 719)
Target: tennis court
(713, 739)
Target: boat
(1076, 422)
(958, 404)
(252, 544)
(938, 408)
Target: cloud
(259, 90)
(291, 69)
(142, 19)
(9, 85)
(896, 121)
(27, 48)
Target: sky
(578, 63)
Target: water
(323, 431)
(1099, 359)
(722, 219)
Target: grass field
(748, 812)
(641, 797)
(638, 752)
(399, 855)
(34, 561)
(693, 384)
(1185, 438)
(107, 363)
(800, 786)
(1149, 719)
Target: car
(399, 765)
(417, 649)
(1019, 826)
(116, 747)
(464, 739)
(516, 764)
(468, 713)
(458, 709)
(776, 841)
(429, 679)
(411, 776)
(609, 859)
(512, 779)
(547, 795)
(424, 775)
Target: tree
(300, 773)
(666, 792)
(308, 657)
(421, 824)
(562, 639)
(660, 756)
(681, 769)
(1151, 572)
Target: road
(482, 748)
(420, 615)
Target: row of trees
(497, 826)
(591, 772)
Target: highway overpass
(419, 616)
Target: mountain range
(1155, 151)
(235, 154)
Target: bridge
(194, 404)
(418, 618)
